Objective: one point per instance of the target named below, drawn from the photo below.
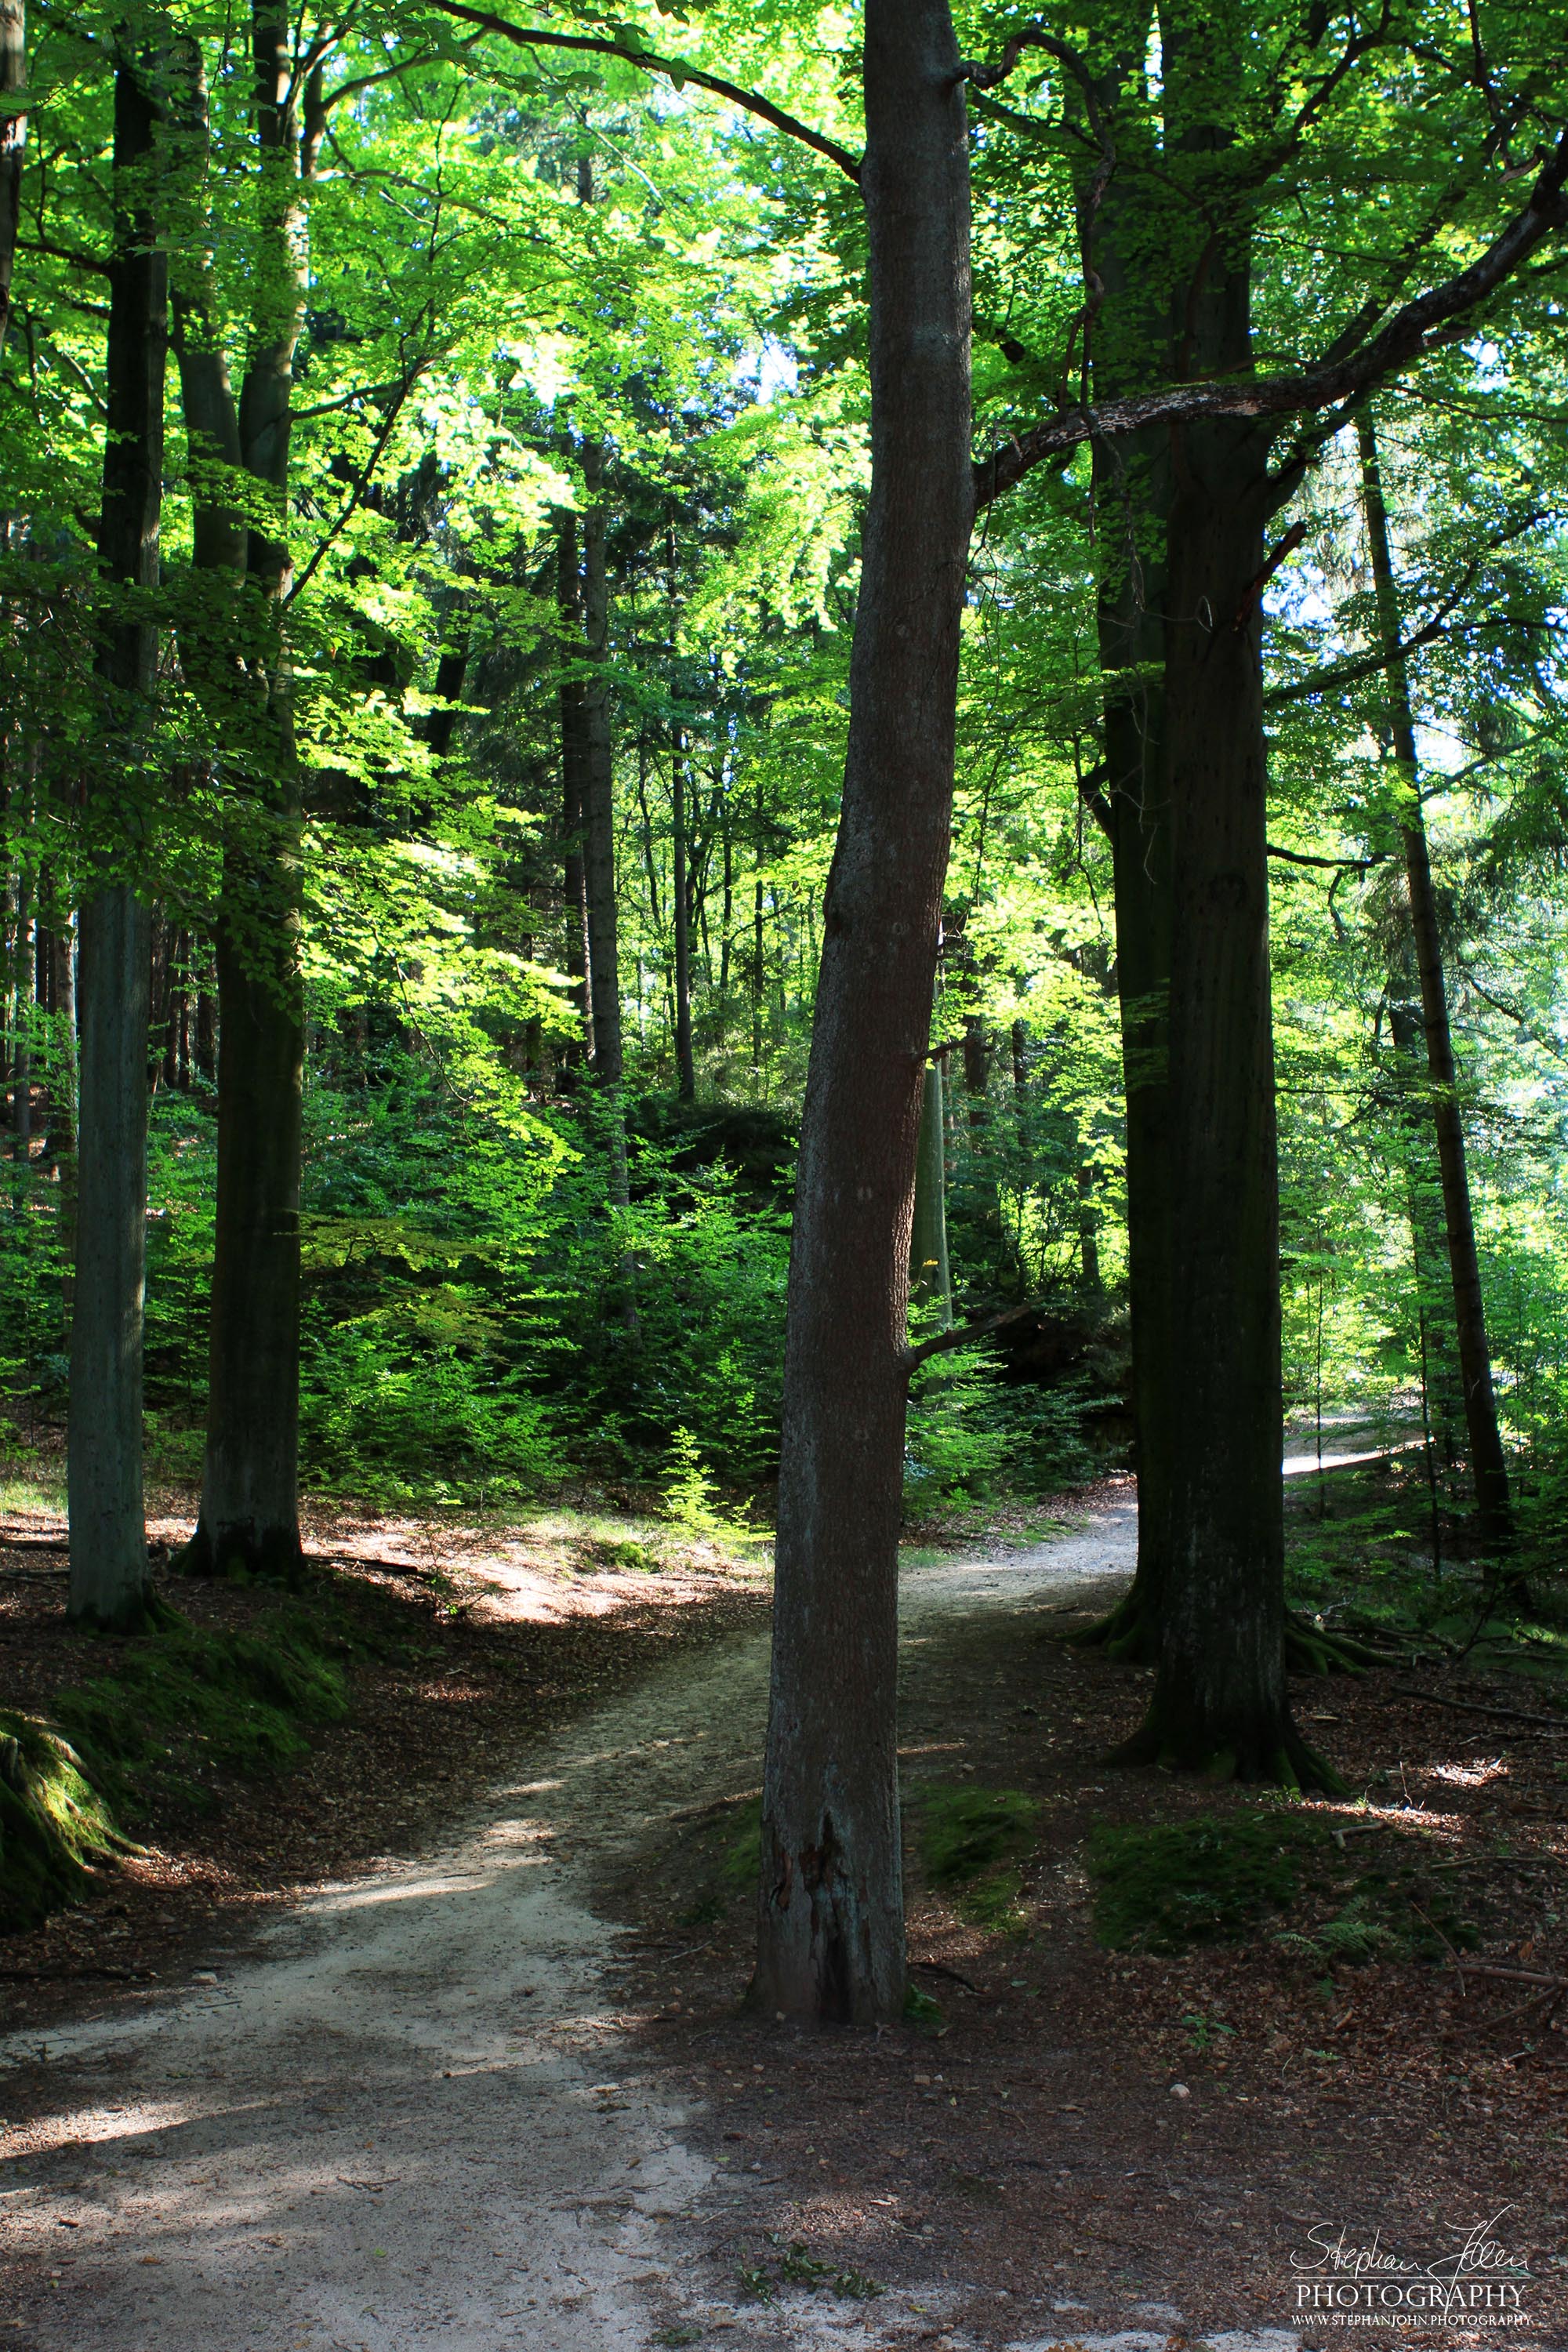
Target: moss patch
(183, 1705)
(1216, 1877)
(971, 1842)
(54, 1825)
(1204, 1881)
(181, 1708)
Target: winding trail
(403, 2117)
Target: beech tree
(108, 1530)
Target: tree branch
(1421, 325)
(1341, 865)
(675, 68)
(944, 1341)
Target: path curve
(404, 2118)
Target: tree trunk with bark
(1489, 1465)
(1220, 1701)
(13, 145)
(573, 787)
(599, 785)
(109, 1583)
(831, 1940)
(680, 905)
(1193, 947)
(250, 1514)
(1428, 1236)
(930, 1279)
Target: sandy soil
(404, 2118)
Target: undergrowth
(181, 1709)
(1218, 1877)
(54, 1825)
(970, 1844)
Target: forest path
(401, 2117)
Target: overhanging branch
(675, 69)
(942, 1342)
(1422, 325)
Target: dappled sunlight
(1474, 1773)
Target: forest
(802, 772)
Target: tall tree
(573, 697)
(599, 781)
(1488, 1466)
(249, 1510)
(108, 1530)
(831, 1942)
(13, 144)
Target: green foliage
(179, 1709)
(970, 1842)
(1206, 1880)
(54, 1825)
(794, 2265)
(688, 1492)
(921, 2008)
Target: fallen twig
(1457, 1964)
(941, 1969)
(1550, 1994)
(1475, 1707)
(1495, 1968)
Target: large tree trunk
(573, 787)
(108, 1528)
(1135, 814)
(1488, 1466)
(930, 1279)
(680, 904)
(1215, 1417)
(13, 145)
(250, 1514)
(599, 785)
(1219, 1700)
(831, 1938)
(1428, 1238)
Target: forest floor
(438, 2041)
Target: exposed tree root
(1275, 1754)
(1131, 1631)
(1311, 1650)
(276, 1556)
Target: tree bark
(249, 1513)
(681, 903)
(13, 145)
(831, 1940)
(1219, 1701)
(109, 1583)
(573, 787)
(1428, 1236)
(1202, 1176)
(930, 1279)
(1489, 1465)
(599, 785)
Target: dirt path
(402, 2118)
